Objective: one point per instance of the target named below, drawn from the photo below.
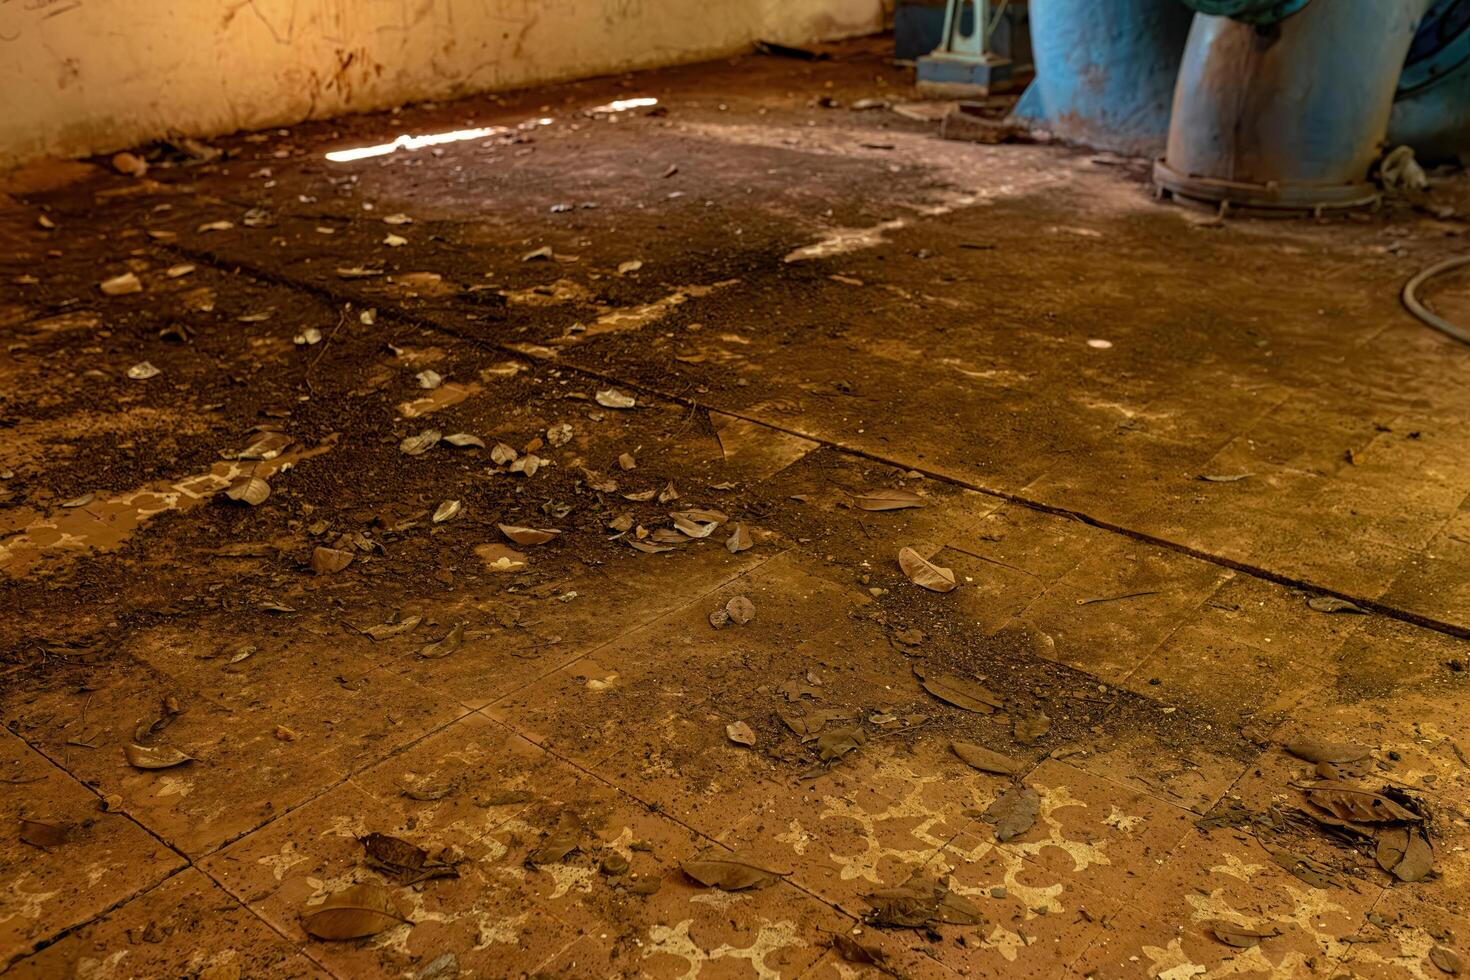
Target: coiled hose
(1411, 298)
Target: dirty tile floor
(1141, 440)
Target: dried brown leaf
(984, 759)
(353, 913)
(1014, 812)
(925, 573)
(886, 499)
(730, 874)
(443, 648)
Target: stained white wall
(88, 76)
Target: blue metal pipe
(1105, 70)
(1291, 114)
(1431, 111)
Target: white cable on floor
(1411, 298)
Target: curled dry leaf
(142, 371)
(739, 540)
(889, 500)
(559, 435)
(528, 535)
(627, 462)
(984, 759)
(730, 874)
(250, 490)
(692, 529)
(429, 379)
(325, 561)
(1224, 477)
(740, 733)
(925, 573)
(668, 493)
(502, 454)
(834, 744)
(419, 444)
(613, 398)
(352, 913)
(462, 439)
(154, 756)
(443, 648)
(447, 511)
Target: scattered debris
(447, 511)
(528, 535)
(1239, 936)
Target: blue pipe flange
(1248, 11)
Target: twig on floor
(341, 319)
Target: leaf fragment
(1404, 853)
(352, 913)
(447, 511)
(121, 285)
(925, 573)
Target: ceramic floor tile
(102, 859)
(186, 925)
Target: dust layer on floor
(741, 535)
